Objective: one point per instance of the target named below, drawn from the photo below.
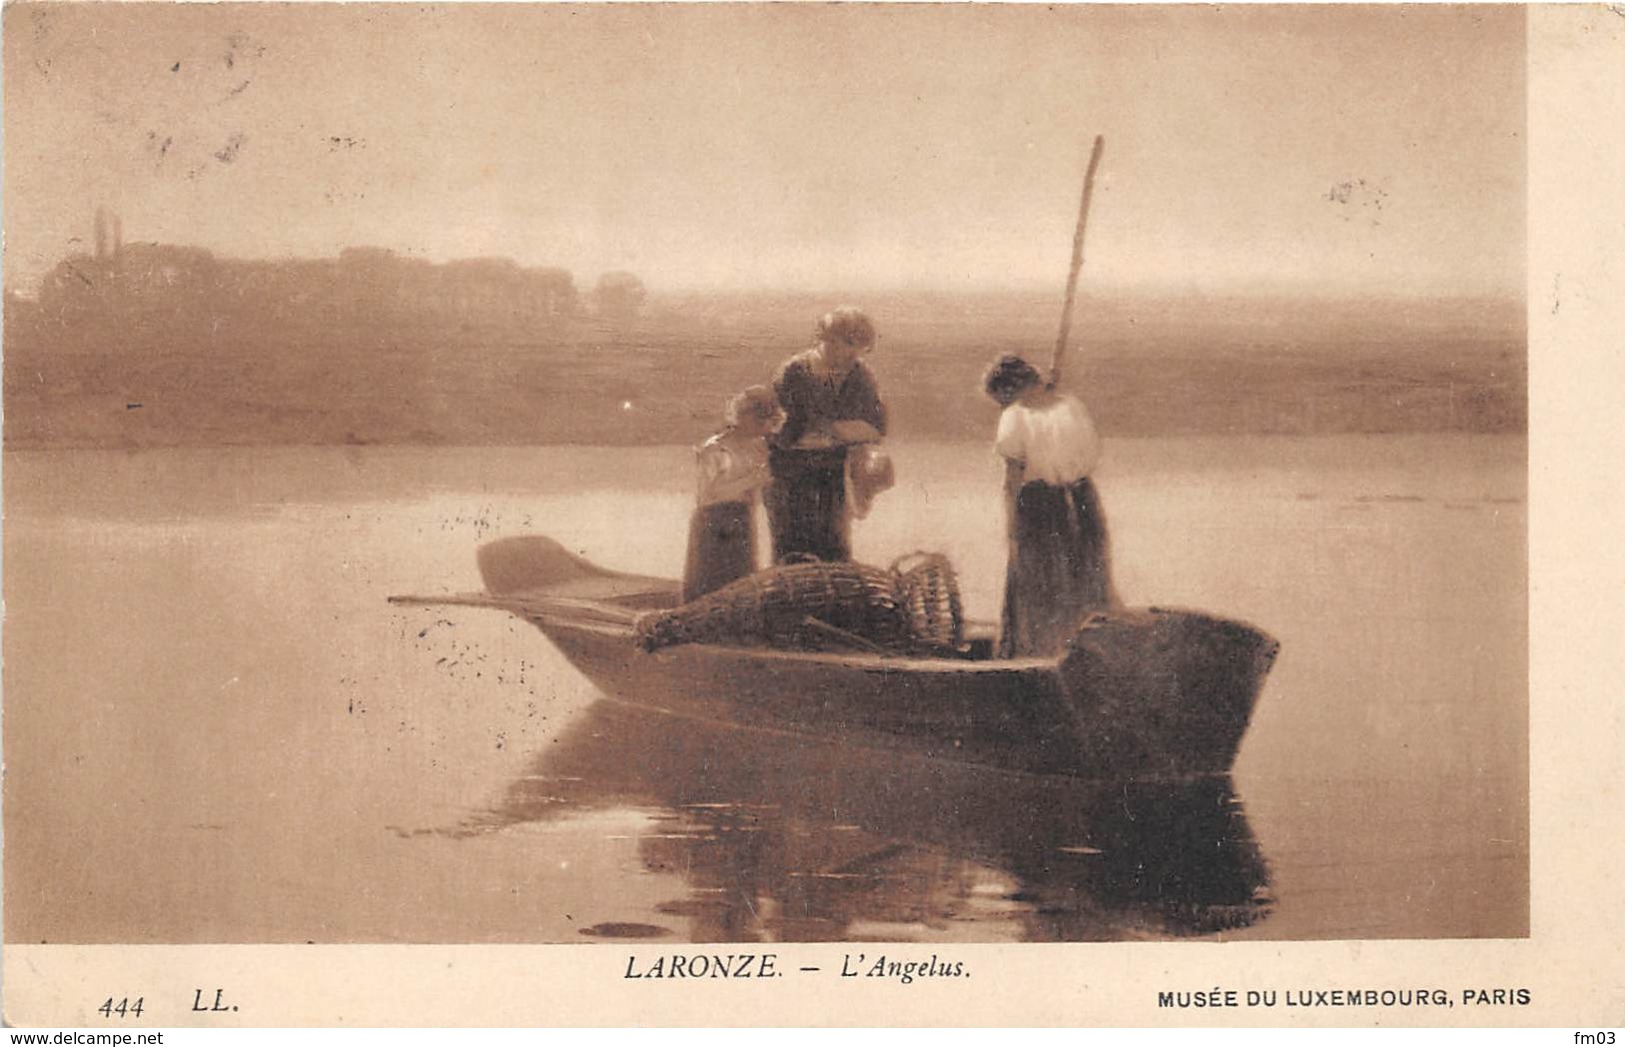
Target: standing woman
(732, 467)
(1058, 568)
(831, 403)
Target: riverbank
(1150, 367)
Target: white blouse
(731, 468)
(1056, 442)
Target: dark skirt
(1058, 568)
(806, 506)
(721, 547)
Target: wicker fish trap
(818, 606)
(928, 589)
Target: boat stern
(1164, 692)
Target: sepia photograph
(685, 481)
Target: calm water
(216, 728)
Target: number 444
(123, 1008)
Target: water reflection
(785, 838)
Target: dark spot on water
(407, 834)
(695, 907)
(625, 930)
(175, 68)
(234, 145)
(131, 407)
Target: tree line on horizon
(174, 289)
(150, 344)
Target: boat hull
(1013, 715)
(1140, 693)
(1144, 694)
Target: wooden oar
(1077, 262)
(571, 607)
(562, 606)
(498, 603)
(841, 637)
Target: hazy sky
(809, 147)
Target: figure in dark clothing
(831, 403)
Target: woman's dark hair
(1010, 376)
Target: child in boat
(732, 467)
(1058, 567)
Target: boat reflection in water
(786, 838)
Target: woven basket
(929, 591)
(910, 609)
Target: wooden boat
(1140, 693)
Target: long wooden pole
(1077, 262)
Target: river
(217, 729)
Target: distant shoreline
(900, 443)
(1145, 367)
